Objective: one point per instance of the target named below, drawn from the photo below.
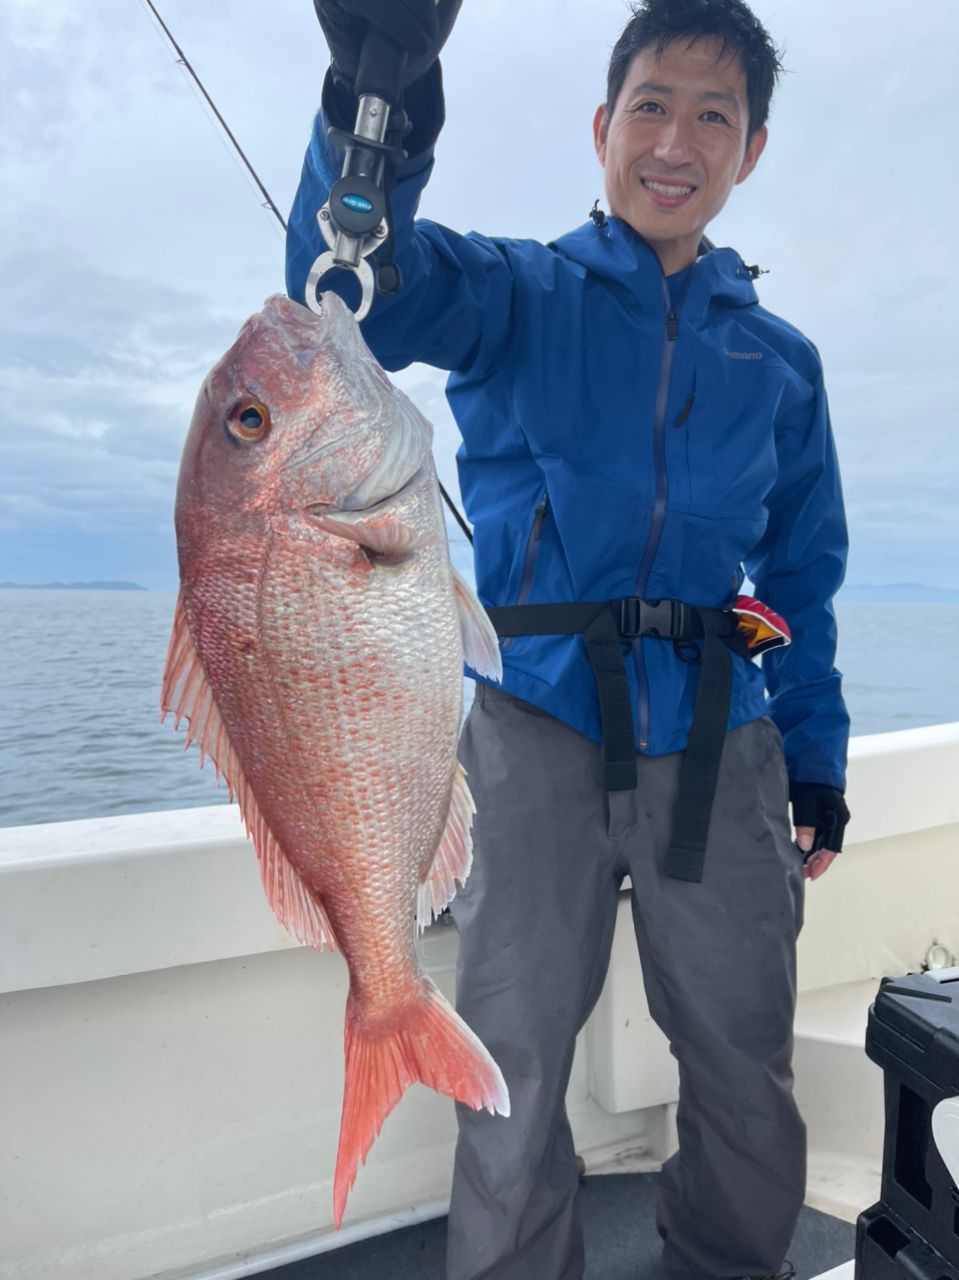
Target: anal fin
(454, 856)
(187, 694)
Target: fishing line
(188, 67)
(275, 227)
(267, 198)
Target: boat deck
(617, 1211)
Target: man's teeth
(670, 190)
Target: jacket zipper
(532, 555)
(683, 416)
(659, 504)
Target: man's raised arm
(454, 306)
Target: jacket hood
(616, 252)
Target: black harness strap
(605, 625)
(604, 647)
(699, 772)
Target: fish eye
(248, 420)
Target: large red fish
(317, 653)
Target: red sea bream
(317, 654)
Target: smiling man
(674, 139)
(638, 435)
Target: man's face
(676, 145)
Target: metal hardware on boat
(938, 958)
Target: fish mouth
(348, 513)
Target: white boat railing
(171, 1062)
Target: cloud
(135, 245)
(98, 396)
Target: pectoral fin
(388, 541)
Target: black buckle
(647, 618)
(658, 618)
(629, 617)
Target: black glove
(423, 103)
(822, 808)
(417, 28)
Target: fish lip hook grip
(355, 221)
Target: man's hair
(658, 23)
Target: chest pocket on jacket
(727, 425)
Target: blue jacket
(610, 450)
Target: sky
(132, 245)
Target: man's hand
(820, 815)
(418, 28)
(818, 863)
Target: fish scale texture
(375, 741)
(321, 667)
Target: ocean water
(80, 731)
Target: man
(636, 429)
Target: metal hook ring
(326, 262)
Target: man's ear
(600, 129)
(754, 149)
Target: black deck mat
(617, 1212)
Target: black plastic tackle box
(913, 1034)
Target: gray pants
(719, 963)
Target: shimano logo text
(743, 355)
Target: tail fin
(432, 1044)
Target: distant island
(71, 586)
(854, 593)
(897, 593)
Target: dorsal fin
(454, 856)
(187, 693)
